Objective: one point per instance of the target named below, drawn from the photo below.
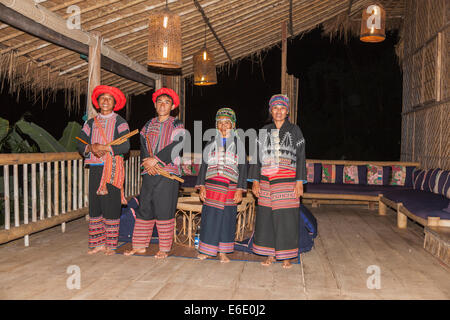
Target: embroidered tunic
(223, 171)
(280, 164)
(158, 139)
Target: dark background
(349, 99)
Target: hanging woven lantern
(204, 68)
(164, 40)
(373, 24)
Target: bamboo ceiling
(245, 27)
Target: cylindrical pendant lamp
(373, 24)
(204, 68)
(164, 40)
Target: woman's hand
(202, 193)
(237, 196)
(298, 189)
(255, 188)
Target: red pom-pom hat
(170, 93)
(115, 92)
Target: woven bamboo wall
(426, 83)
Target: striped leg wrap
(165, 234)
(112, 233)
(142, 233)
(226, 247)
(97, 235)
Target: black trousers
(158, 198)
(109, 206)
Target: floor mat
(179, 250)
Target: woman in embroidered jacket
(106, 171)
(222, 179)
(278, 178)
(161, 146)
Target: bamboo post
(49, 189)
(381, 208)
(402, 219)
(41, 191)
(63, 187)
(33, 193)
(74, 189)
(80, 183)
(283, 56)
(16, 195)
(94, 73)
(69, 185)
(56, 188)
(25, 201)
(7, 204)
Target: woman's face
(106, 103)
(279, 112)
(224, 126)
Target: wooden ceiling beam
(205, 18)
(25, 15)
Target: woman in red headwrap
(160, 146)
(106, 170)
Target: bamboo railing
(42, 190)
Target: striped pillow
(429, 179)
(418, 175)
(442, 184)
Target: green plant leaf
(17, 144)
(68, 140)
(4, 128)
(45, 141)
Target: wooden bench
(315, 199)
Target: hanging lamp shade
(164, 40)
(204, 68)
(373, 24)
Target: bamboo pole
(80, 183)
(25, 193)
(7, 197)
(25, 202)
(94, 74)
(63, 187)
(16, 195)
(69, 185)
(33, 193)
(74, 189)
(56, 188)
(41, 191)
(49, 190)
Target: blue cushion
(409, 176)
(189, 181)
(420, 203)
(386, 175)
(418, 176)
(330, 188)
(317, 172)
(339, 174)
(362, 174)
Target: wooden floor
(351, 239)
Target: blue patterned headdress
(279, 99)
